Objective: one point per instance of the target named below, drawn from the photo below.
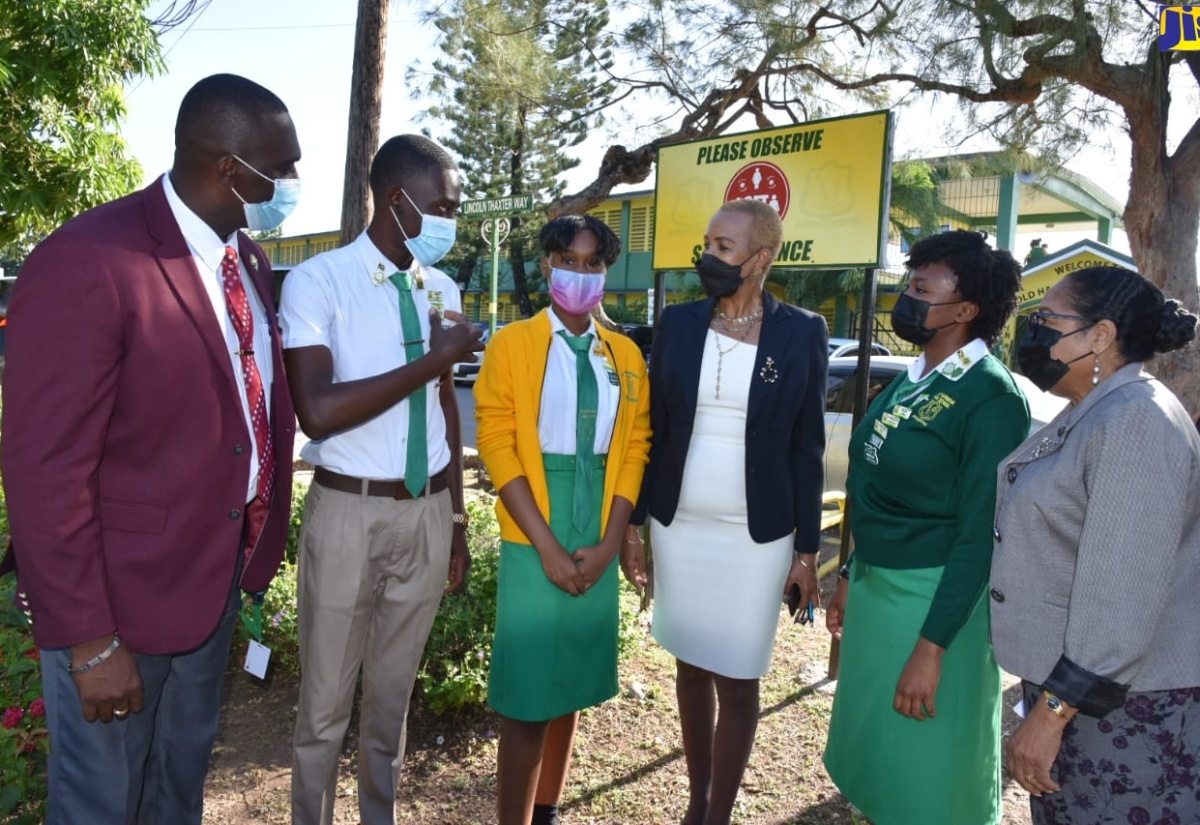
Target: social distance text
(791, 252)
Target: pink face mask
(575, 292)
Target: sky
(302, 50)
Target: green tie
(588, 396)
(416, 463)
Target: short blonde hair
(766, 229)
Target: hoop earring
(1096, 372)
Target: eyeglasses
(1039, 318)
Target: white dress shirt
(560, 393)
(208, 250)
(342, 300)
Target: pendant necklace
(748, 322)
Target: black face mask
(908, 319)
(719, 279)
(1035, 360)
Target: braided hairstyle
(1146, 322)
(989, 278)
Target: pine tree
(519, 84)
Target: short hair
(989, 278)
(558, 234)
(221, 111)
(1146, 322)
(404, 157)
(766, 228)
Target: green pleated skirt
(554, 653)
(896, 770)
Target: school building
(980, 191)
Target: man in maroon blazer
(147, 443)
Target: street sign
(495, 212)
(493, 207)
(499, 227)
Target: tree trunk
(366, 106)
(1162, 220)
(1162, 228)
(467, 267)
(516, 260)
(516, 244)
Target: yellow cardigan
(508, 397)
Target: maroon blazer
(125, 453)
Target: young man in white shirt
(384, 531)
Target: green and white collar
(955, 366)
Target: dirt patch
(628, 762)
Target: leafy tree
(63, 64)
(519, 84)
(1059, 70)
(1039, 75)
(709, 67)
(916, 211)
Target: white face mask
(261, 217)
(435, 239)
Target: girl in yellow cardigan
(563, 427)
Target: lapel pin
(379, 275)
(254, 262)
(768, 373)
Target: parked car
(839, 405)
(642, 335)
(464, 372)
(842, 347)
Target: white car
(842, 347)
(839, 401)
(464, 372)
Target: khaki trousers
(371, 572)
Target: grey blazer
(1095, 585)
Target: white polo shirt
(560, 393)
(342, 300)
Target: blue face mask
(261, 217)
(435, 238)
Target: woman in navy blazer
(733, 491)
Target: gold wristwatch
(1054, 704)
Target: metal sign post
(494, 232)
(494, 229)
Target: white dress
(717, 593)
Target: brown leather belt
(383, 489)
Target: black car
(642, 335)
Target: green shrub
(299, 491)
(24, 740)
(279, 623)
(454, 668)
(279, 603)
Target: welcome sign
(827, 179)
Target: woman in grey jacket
(1096, 563)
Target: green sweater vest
(922, 482)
